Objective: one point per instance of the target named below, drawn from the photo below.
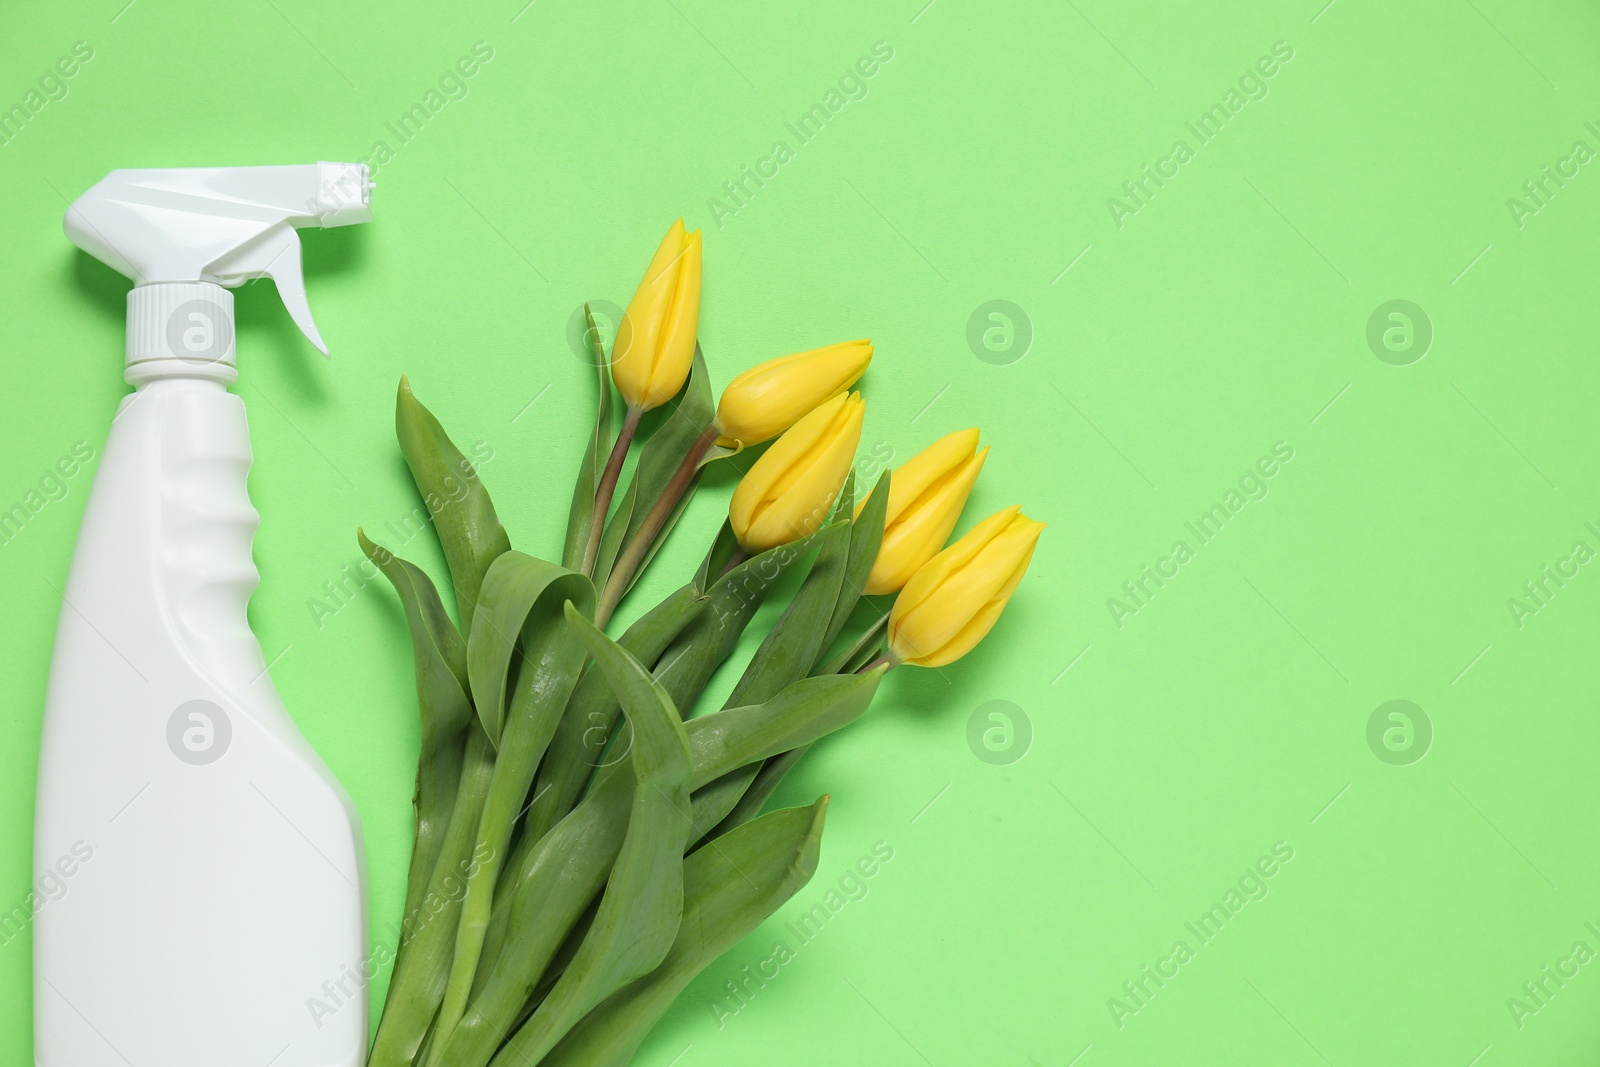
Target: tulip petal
(797, 471)
(787, 492)
(633, 355)
(682, 321)
(803, 494)
(769, 398)
(923, 527)
(917, 475)
(968, 589)
(926, 581)
(754, 492)
(957, 588)
(977, 629)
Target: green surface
(1174, 342)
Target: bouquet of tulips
(585, 843)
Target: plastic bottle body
(205, 903)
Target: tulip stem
(885, 660)
(608, 485)
(868, 640)
(634, 553)
(736, 557)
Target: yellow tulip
(926, 496)
(655, 342)
(787, 492)
(769, 398)
(954, 600)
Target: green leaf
(512, 587)
(756, 794)
(715, 800)
(521, 613)
(727, 892)
(686, 666)
(756, 784)
(565, 870)
(801, 713)
(556, 882)
(464, 518)
(440, 658)
(428, 932)
(590, 719)
(643, 903)
(577, 748)
(558, 965)
(736, 741)
(786, 655)
(845, 506)
(581, 518)
(866, 537)
(723, 548)
(792, 646)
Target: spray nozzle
(179, 229)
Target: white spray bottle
(200, 868)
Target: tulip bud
(954, 600)
(769, 398)
(926, 496)
(788, 491)
(655, 342)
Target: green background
(1170, 350)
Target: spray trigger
(276, 255)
